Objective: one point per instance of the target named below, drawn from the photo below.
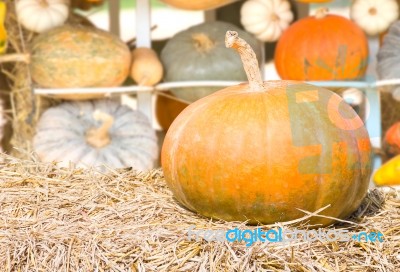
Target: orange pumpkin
(392, 140)
(262, 151)
(198, 4)
(86, 4)
(167, 109)
(322, 47)
(314, 1)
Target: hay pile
(73, 220)
(23, 102)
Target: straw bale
(66, 219)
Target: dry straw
(55, 219)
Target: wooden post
(143, 39)
(113, 13)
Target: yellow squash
(389, 173)
(146, 68)
(3, 33)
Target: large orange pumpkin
(262, 151)
(322, 47)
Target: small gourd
(266, 19)
(42, 15)
(146, 69)
(374, 16)
(96, 133)
(389, 173)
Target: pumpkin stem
(100, 137)
(274, 17)
(249, 59)
(321, 13)
(44, 3)
(372, 11)
(202, 42)
(15, 58)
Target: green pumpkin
(79, 56)
(199, 53)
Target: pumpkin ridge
(78, 152)
(52, 144)
(54, 150)
(57, 10)
(87, 156)
(190, 112)
(141, 156)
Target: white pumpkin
(353, 96)
(42, 15)
(374, 16)
(96, 133)
(266, 19)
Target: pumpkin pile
(62, 55)
(266, 151)
(319, 47)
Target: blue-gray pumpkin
(96, 133)
(389, 57)
(199, 53)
